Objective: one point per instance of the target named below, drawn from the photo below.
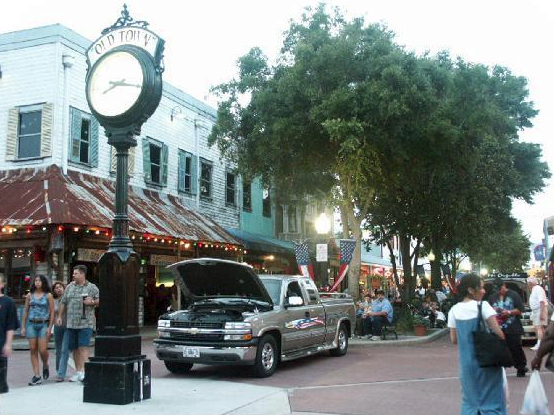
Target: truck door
(296, 330)
(316, 313)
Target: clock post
(123, 89)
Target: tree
(310, 122)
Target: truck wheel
(178, 367)
(342, 347)
(267, 357)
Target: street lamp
(484, 272)
(322, 224)
(431, 256)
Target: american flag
(347, 247)
(303, 259)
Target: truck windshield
(273, 287)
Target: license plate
(191, 352)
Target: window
(293, 290)
(230, 188)
(206, 178)
(266, 203)
(247, 196)
(84, 138)
(155, 162)
(291, 212)
(155, 155)
(29, 134)
(187, 172)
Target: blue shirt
(382, 305)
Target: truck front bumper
(244, 354)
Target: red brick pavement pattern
(405, 380)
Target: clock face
(115, 84)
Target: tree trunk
(409, 280)
(436, 271)
(355, 264)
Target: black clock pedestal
(118, 373)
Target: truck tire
(267, 357)
(342, 347)
(178, 367)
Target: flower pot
(420, 330)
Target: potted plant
(420, 325)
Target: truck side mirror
(294, 301)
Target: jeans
(374, 325)
(62, 350)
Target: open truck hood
(212, 278)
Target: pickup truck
(236, 317)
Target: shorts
(78, 338)
(3, 374)
(36, 330)
(536, 318)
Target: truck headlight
(246, 336)
(164, 323)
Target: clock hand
(115, 84)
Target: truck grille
(196, 324)
(197, 337)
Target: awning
(46, 196)
(262, 243)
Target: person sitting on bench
(381, 314)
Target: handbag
(490, 350)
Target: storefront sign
(89, 255)
(321, 253)
(163, 260)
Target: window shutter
(131, 161)
(181, 171)
(193, 174)
(75, 134)
(13, 127)
(146, 160)
(94, 136)
(165, 155)
(46, 130)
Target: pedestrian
(77, 306)
(509, 307)
(482, 388)
(8, 325)
(62, 353)
(38, 317)
(381, 314)
(547, 345)
(539, 309)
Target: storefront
(52, 222)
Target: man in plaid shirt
(78, 302)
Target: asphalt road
(384, 380)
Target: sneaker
(375, 338)
(45, 372)
(77, 377)
(36, 380)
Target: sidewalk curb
(407, 342)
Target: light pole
(322, 227)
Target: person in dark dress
(509, 307)
(8, 324)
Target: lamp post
(322, 227)
(123, 89)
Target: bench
(389, 329)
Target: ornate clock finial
(125, 20)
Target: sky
(205, 38)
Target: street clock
(124, 87)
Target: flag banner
(347, 247)
(303, 259)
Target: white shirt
(537, 296)
(467, 311)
